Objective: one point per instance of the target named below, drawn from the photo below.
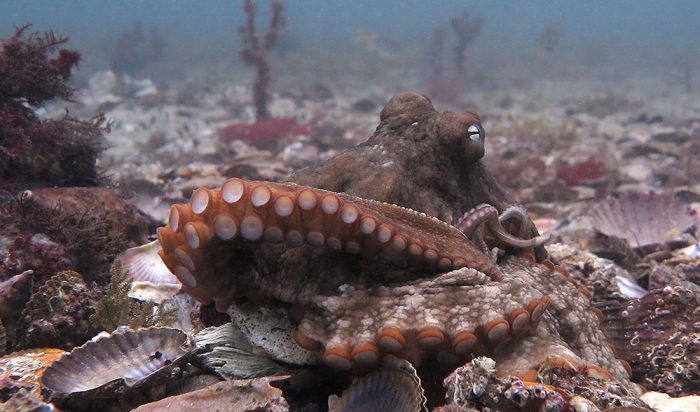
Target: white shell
(143, 264)
(123, 359)
(643, 219)
(394, 387)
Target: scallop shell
(106, 367)
(394, 387)
(143, 264)
(643, 219)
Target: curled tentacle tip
(542, 239)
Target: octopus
(403, 245)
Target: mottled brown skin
(342, 303)
(418, 158)
(355, 297)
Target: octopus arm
(225, 224)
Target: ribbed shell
(393, 388)
(131, 356)
(144, 265)
(643, 219)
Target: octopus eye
(475, 133)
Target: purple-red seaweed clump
(33, 151)
(581, 172)
(52, 217)
(263, 130)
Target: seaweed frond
(117, 309)
(113, 309)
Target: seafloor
(607, 163)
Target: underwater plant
(36, 152)
(254, 53)
(550, 37)
(436, 52)
(439, 85)
(135, 49)
(466, 28)
(117, 309)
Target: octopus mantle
(362, 278)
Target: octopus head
(456, 133)
(409, 106)
(462, 133)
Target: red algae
(36, 152)
(264, 130)
(577, 173)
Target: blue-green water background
(649, 34)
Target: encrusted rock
(26, 368)
(237, 395)
(14, 294)
(605, 279)
(659, 335)
(57, 315)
